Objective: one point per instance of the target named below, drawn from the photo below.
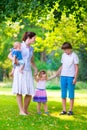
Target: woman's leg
(38, 107)
(27, 100)
(20, 104)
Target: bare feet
(22, 113)
(28, 113)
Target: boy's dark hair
(66, 45)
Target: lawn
(11, 120)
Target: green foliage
(83, 63)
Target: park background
(54, 22)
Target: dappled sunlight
(11, 118)
(81, 102)
(54, 95)
(62, 117)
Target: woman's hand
(33, 65)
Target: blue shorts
(67, 85)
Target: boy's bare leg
(71, 104)
(64, 104)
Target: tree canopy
(54, 21)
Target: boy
(68, 72)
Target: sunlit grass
(11, 120)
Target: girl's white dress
(23, 82)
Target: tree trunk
(43, 56)
(1, 75)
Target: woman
(23, 82)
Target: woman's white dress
(23, 82)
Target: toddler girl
(40, 94)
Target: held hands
(35, 72)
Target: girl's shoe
(39, 113)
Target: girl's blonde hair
(40, 74)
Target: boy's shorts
(67, 84)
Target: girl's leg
(27, 100)
(20, 104)
(45, 107)
(38, 107)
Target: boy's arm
(57, 74)
(76, 73)
(59, 71)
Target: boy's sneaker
(69, 113)
(63, 113)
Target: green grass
(11, 120)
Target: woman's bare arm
(10, 56)
(14, 59)
(33, 65)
